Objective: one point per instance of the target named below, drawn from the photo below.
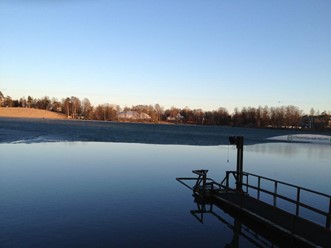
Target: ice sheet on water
(308, 138)
(41, 130)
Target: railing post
(275, 194)
(227, 180)
(298, 202)
(247, 184)
(204, 181)
(258, 186)
(328, 218)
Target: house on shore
(133, 116)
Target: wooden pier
(244, 195)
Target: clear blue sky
(197, 53)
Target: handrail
(284, 183)
(276, 195)
(201, 182)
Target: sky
(201, 54)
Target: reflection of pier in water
(242, 226)
(271, 223)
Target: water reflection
(114, 194)
(290, 150)
(246, 231)
(238, 229)
(306, 165)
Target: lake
(107, 194)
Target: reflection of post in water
(204, 208)
(236, 232)
(207, 207)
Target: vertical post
(204, 180)
(275, 194)
(227, 180)
(258, 186)
(298, 202)
(240, 148)
(239, 141)
(328, 218)
(246, 183)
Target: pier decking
(304, 231)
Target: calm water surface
(82, 194)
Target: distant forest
(272, 117)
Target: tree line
(275, 117)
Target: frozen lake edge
(43, 130)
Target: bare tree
(66, 106)
(159, 111)
(86, 108)
(75, 106)
(8, 102)
(2, 98)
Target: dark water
(32, 130)
(96, 194)
(103, 184)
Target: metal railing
(203, 184)
(276, 195)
